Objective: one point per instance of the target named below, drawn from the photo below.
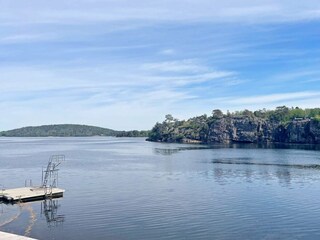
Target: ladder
(50, 174)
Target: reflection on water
(175, 148)
(32, 218)
(228, 170)
(166, 151)
(8, 213)
(228, 176)
(49, 209)
(314, 147)
(243, 161)
(170, 151)
(26, 214)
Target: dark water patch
(170, 151)
(243, 161)
(314, 147)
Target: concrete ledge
(10, 236)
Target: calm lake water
(127, 188)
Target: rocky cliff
(237, 129)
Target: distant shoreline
(70, 130)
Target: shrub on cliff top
(317, 118)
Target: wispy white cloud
(184, 72)
(36, 11)
(24, 38)
(303, 99)
(167, 52)
(106, 49)
(226, 77)
(186, 65)
(254, 12)
(304, 75)
(106, 83)
(273, 98)
(95, 101)
(34, 79)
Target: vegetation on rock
(59, 130)
(69, 130)
(133, 133)
(292, 125)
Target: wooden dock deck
(10, 236)
(27, 194)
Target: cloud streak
(274, 98)
(38, 12)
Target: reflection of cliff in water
(235, 145)
(170, 151)
(232, 170)
(49, 209)
(246, 161)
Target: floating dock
(27, 194)
(48, 188)
(10, 236)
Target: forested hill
(60, 130)
(69, 130)
(284, 125)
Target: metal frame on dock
(48, 188)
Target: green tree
(217, 113)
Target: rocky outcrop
(314, 129)
(242, 129)
(303, 131)
(245, 130)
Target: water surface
(127, 188)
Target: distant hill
(70, 130)
(60, 130)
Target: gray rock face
(303, 131)
(235, 130)
(315, 131)
(254, 130)
(246, 129)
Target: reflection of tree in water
(248, 174)
(230, 169)
(284, 176)
(49, 208)
(170, 151)
(224, 175)
(165, 151)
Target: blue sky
(125, 64)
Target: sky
(125, 64)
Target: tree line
(174, 130)
(70, 130)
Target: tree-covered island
(285, 125)
(70, 130)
